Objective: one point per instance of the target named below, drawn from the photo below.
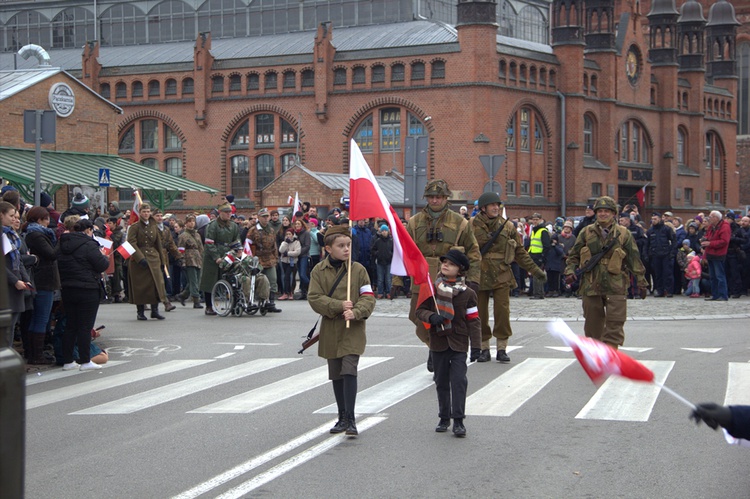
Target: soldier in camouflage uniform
(496, 275)
(604, 288)
(262, 237)
(436, 230)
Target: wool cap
(80, 201)
(458, 258)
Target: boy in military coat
(453, 318)
(341, 346)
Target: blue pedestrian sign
(103, 177)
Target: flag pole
(676, 395)
(349, 275)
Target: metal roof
(13, 82)
(69, 168)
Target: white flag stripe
(622, 399)
(389, 392)
(276, 392)
(738, 384)
(106, 383)
(509, 391)
(34, 379)
(186, 387)
(316, 450)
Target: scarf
(35, 227)
(445, 290)
(14, 253)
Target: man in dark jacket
(588, 219)
(381, 253)
(362, 237)
(641, 241)
(735, 256)
(661, 253)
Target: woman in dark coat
(41, 241)
(18, 279)
(80, 262)
(145, 278)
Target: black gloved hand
(473, 285)
(474, 354)
(436, 319)
(143, 263)
(570, 279)
(713, 415)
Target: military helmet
(607, 203)
(488, 198)
(437, 187)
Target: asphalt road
(198, 406)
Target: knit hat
(458, 258)
(7, 188)
(314, 221)
(568, 223)
(44, 200)
(589, 206)
(730, 214)
(383, 227)
(230, 198)
(686, 241)
(80, 201)
(656, 214)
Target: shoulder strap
(337, 281)
(461, 229)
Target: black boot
(338, 392)
(183, 296)
(484, 355)
(270, 305)
(350, 398)
(37, 350)
(197, 302)
(458, 427)
(502, 356)
(430, 368)
(141, 316)
(155, 312)
(351, 426)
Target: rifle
(313, 337)
(595, 258)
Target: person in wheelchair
(243, 273)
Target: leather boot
(37, 350)
(197, 302)
(155, 312)
(141, 316)
(270, 305)
(341, 425)
(168, 307)
(351, 426)
(183, 296)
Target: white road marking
(163, 394)
(636, 349)
(738, 384)
(622, 399)
(249, 344)
(297, 460)
(389, 392)
(97, 385)
(561, 349)
(509, 391)
(275, 392)
(702, 350)
(239, 347)
(35, 379)
(225, 355)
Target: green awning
(60, 168)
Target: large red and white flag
(136, 207)
(125, 250)
(641, 196)
(366, 200)
(597, 359)
(295, 202)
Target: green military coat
(495, 266)
(335, 339)
(456, 232)
(219, 236)
(190, 240)
(146, 285)
(611, 275)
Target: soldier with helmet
(603, 258)
(500, 245)
(436, 230)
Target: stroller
(241, 287)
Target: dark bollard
(12, 405)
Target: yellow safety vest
(536, 241)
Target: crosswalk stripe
(389, 392)
(621, 399)
(185, 387)
(509, 391)
(738, 384)
(35, 379)
(275, 392)
(105, 383)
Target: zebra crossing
(504, 395)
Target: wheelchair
(240, 288)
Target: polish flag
(366, 200)
(597, 359)
(641, 196)
(230, 258)
(126, 250)
(181, 249)
(136, 207)
(106, 244)
(247, 249)
(295, 202)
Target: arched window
(173, 166)
(253, 82)
(339, 76)
(378, 73)
(149, 135)
(588, 135)
(223, 18)
(170, 87)
(241, 136)
(188, 86)
(526, 158)
(235, 83)
(171, 139)
(308, 78)
(240, 176)
(122, 24)
(632, 144)
(290, 78)
(217, 84)
(127, 141)
(179, 22)
(137, 89)
(264, 174)
(288, 161)
(714, 151)
(363, 135)
(397, 72)
(506, 18)
(288, 133)
(264, 129)
(681, 146)
(358, 75)
(417, 71)
(104, 90)
(532, 25)
(27, 27)
(271, 82)
(121, 91)
(154, 89)
(72, 27)
(438, 70)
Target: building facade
(567, 101)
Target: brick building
(620, 95)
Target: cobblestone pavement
(662, 309)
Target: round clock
(633, 65)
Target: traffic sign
(103, 177)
